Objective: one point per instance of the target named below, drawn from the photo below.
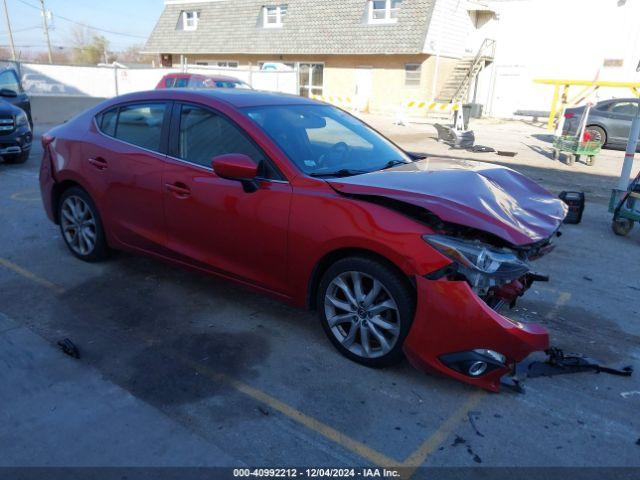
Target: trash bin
(472, 110)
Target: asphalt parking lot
(179, 369)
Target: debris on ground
(472, 420)
(504, 153)
(481, 149)
(629, 394)
(69, 348)
(559, 363)
(263, 411)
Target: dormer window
(384, 11)
(273, 15)
(190, 20)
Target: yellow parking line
(562, 300)
(412, 462)
(417, 458)
(311, 423)
(30, 276)
(30, 195)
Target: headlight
(21, 119)
(483, 265)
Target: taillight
(569, 115)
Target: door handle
(178, 189)
(98, 162)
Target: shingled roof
(310, 27)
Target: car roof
(218, 78)
(238, 98)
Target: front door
(212, 222)
(364, 87)
(310, 79)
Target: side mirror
(237, 166)
(7, 92)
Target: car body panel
(484, 196)
(214, 222)
(276, 238)
(451, 318)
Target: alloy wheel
(362, 314)
(78, 225)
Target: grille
(7, 125)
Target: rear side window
(107, 121)
(181, 83)
(141, 124)
(168, 82)
(624, 108)
(205, 134)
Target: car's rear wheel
(597, 134)
(366, 309)
(81, 226)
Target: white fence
(104, 82)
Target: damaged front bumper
(457, 334)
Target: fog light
(491, 353)
(477, 368)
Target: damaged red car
(399, 253)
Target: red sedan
(194, 80)
(300, 200)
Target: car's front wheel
(81, 226)
(366, 309)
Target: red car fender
(451, 318)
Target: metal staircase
(457, 85)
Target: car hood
(483, 196)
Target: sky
(133, 18)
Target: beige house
(379, 54)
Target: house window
(384, 11)
(190, 20)
(273, 15)
(412, 74)
(219, 63)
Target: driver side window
(204, 135)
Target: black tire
(19, 158)
(597, 133)
(100, 250)
(622, 226)
(394, 285)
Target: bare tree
(89, 48)
(133, 55)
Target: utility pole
(13, 47)
(45, 25)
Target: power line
(86, 25)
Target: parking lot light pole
(13, 47)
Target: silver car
(609, 121)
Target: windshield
(325, 141)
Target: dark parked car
(609, 121)
(11, 91)
(304, 202)
(15, 130)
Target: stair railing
(486, 50)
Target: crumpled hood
(480, 195)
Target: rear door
(212, 222)
(620, 115)
(124, 168)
